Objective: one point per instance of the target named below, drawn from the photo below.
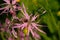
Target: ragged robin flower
(11, 6)
(29, 25)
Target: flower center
(10, 5)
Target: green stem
(2, 36)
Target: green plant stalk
(2, 36)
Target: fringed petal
(32, 32)
(25, 13)
(13, 1)
(23, 25)
(38, 28)
(34, 17)
(7, 1)
(14, 33)
(36, 35)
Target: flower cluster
(20, 30)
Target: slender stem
(2, 36)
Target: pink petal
(36, 24)
(3, 11)
(10, 38)
(38, 28)
(11, 10)
(19, 8)
(36, 35)
(24, 25)
(14, 33)
(29, 30)
(25, 13)
(16, 26)
(34, 17)
(6, 8)
(7, 1)
(13, 1)
(27, 37)
(7, 21)
(2, 8)
(20, 26)
(14, 7)
(21, 35)
(32, 32)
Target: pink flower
(29, 25)
(11, 6)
